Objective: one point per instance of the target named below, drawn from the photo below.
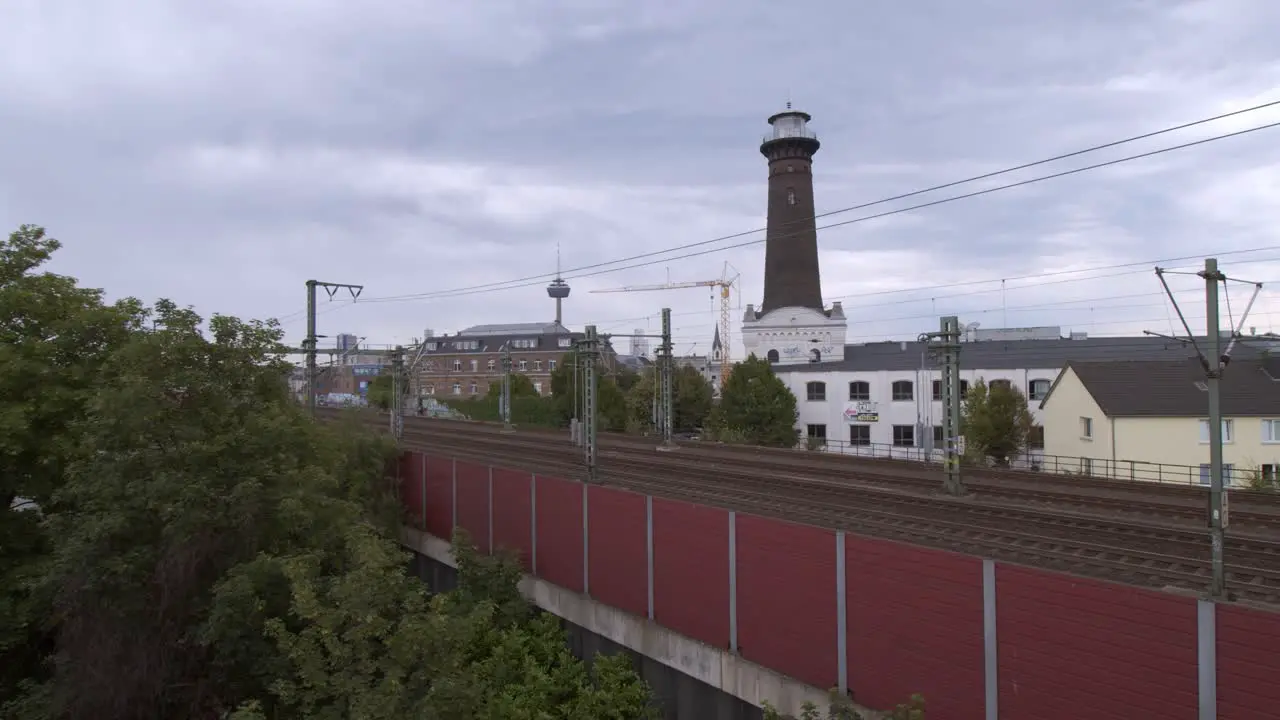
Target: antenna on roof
(1214, 363)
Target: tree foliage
(995, 422)
(521, 386)
(566, 393)
(755, 407)
(54, 339)
(381, 391)
(197, 547)
(691, 397)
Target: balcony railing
(808, 134)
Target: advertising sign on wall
(365, 370)
(862, 412)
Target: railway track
(1250, 512)
(1146, 553)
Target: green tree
(521, 386)
(995, 421)
(205, 549)
(380, 391)
(691, 398)
(755, 407)
(566, 394)
(54, 339)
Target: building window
(904, 435)
(457, 388)
(429, 390)
(1038, 389)
(1086, 466)
(1206, 474)
(1086, 428)
(791, 196)
(524, 365)
(565, 342)
(473, 388)
(537, 387)
(903, 391)
(772, 356)
(816, 433)
(551, 365)
(815, 355)
(1035, 438)
(859, 390)
(1269, 474)
(490, 365)
(457, 366)
(1228, 431)
(433, 346)
(815, 391)
(939, 439)
(860, 435)
(475, 365)
(537, 365)
(1271, 431)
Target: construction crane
(728, 277)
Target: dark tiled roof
(1128, 388)
(1009, 354)
(490, 342)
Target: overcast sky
(222, 153)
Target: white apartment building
(884, 398)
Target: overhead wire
(876, 305)
(570, 274)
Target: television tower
(791, 274)
(558, 289)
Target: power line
(1146, 268)
(538, 279)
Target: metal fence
(1036, 461)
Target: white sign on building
(862, 412)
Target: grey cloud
(418, 147)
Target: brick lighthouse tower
(792, 325)
(791, 274)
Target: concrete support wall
(717, 668)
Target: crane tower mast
(726, 281)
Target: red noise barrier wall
(618, 549)
(439, 494)
(513, 514)
(1074, 648)
(691, 570)
(980, 640)
(915, 626)
(1248, 645)
(411, 474)
(472, 496)
(559, 530)
(786, 578)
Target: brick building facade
(467, 363)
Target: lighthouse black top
(791, 275)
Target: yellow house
(1147, 419)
